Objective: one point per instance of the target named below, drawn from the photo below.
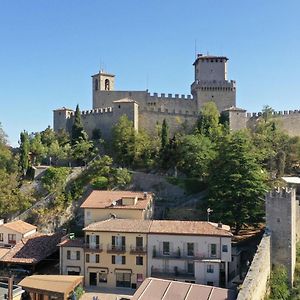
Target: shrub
(100, 183)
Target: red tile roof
(72, 243)
(105, 199)
(160, 227)
(33, 249)
(19, 226)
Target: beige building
(197, 252)
(123, 252)
(12, 232)
(102, 205)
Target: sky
(50, 48)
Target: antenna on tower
(147, 81)
(195, 48)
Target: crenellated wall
(289, 120)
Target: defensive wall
(255, 285)
(289, 120)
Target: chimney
(145, 195)
(220, 225)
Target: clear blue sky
(49, 49)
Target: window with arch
(96, 84)
(107, 85)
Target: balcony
(179, 255)
(169, 274)
(138, 250)
(92, 247)
(116, 249)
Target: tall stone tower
(102, 81)
(211, 82)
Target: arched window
(96, 84)
(106, 85)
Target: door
(123, 280)
(93, 279)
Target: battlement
(97, 111)
(286, 193)
(169, 111)
(163, 96)
(275, 113)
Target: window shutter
(97, 239)
(87, 239)
(113, 259)
(123, 240)
(123, 260)
(113, 240)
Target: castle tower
(102, 81)
(282, 211)
(211, 82)
(60, 118)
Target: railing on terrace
(180, 255)
(116, 248)
(167, 273)
(91, 247)
(138, 249)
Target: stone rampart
(255, 285)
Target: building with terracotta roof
(12, 232)
(102, 205)
(122, 252)
(51, 286)
(159, 289)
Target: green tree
(164, 135)
(55, 179)
(82, 151)
(196, 152)
(124, 141)
(37, 148)
(208, 123)
(237, 183)
(24, 151)
(78, 132)
(120, 177)
(48, 136)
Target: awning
(123, 271)
(98, 270)
(73, 269)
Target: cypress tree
(24, 151)
(164, 135)
(78, 132)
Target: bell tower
(102, 82)
(211, 83)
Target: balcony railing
(116, 248)
(138, 250)
(93, 247)
(180, 255)
(169, 273)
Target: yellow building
(102, 205)
(116, 253)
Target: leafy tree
(120, 177)
(37, 148)
(196, 152)
(100, 183)
(124, 141)
(82, 151)
(48, 136)
(55, 152)
(62, 137)
(78, 132)
(55, 179)
(237, 183)
(24, 151)
(208, 123)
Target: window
(190, 249)
(102, 277)
(190, 267)
(78, 255)
(123, 279)
(118, 242)
(118, 260)
(107, 85)
(139, 260)
(213, 250)
(87, 258)
(11, 238)
(68, 254)
(96, 85)
(97, 259)
(224, 248)
(139, 243)
(210, 268)
(1, 237)
(166, 248)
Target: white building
(197, 252)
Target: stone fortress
(180, 111)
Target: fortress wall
(288, 120)
(106, 98)
(176, 122)
(255, 285)
(98, 118)
(180, 104)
